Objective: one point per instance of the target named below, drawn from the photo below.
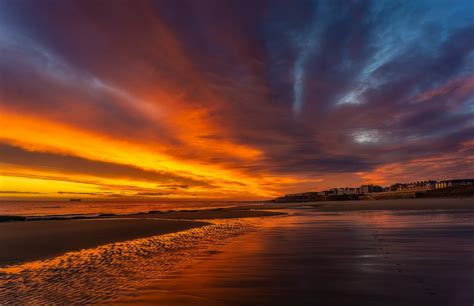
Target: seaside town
(398, 190)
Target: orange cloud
(39, 135)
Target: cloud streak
(238, 100)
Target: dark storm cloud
(318, 86)
(364, 64)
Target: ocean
(92, 208)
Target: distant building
(396, 187)
(343, 191)
(410, 187)
(340, 191)
(370, 188)
(451, 183)
(413, 185)
(430, 184)
(354, 191)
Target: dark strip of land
(448, 192)
(206, 214)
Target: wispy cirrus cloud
(252, 100)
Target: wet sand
(392, 205)
(101, 274)
(314, 258)
(206, 214)
(334, 253)
(26, 241)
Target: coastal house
(396, 187)
(413, 185)
(452, 183)
(347, 191)
(354, 191)
(370, 189)
(341, 191)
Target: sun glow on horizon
(250, 102)
(38, 135)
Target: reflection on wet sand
(313, 258)
(103, 273)
(305, 258)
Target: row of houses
(452, 183)
(418, 185)
(351, 191)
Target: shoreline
(191, 214)
(71, 253)
(46, 238)
(255, 209)
(361, 258)
(360, 205)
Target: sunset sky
(232, 99)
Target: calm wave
(53, 208)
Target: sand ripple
(103, 273)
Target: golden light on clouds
(247, 103)
(39, 135)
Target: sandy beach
(26, 241)
(392, 205)
(398, 204)
(332, 258)
(205, 214)
(32, 240)
(339, 253)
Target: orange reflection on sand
(99, 274)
